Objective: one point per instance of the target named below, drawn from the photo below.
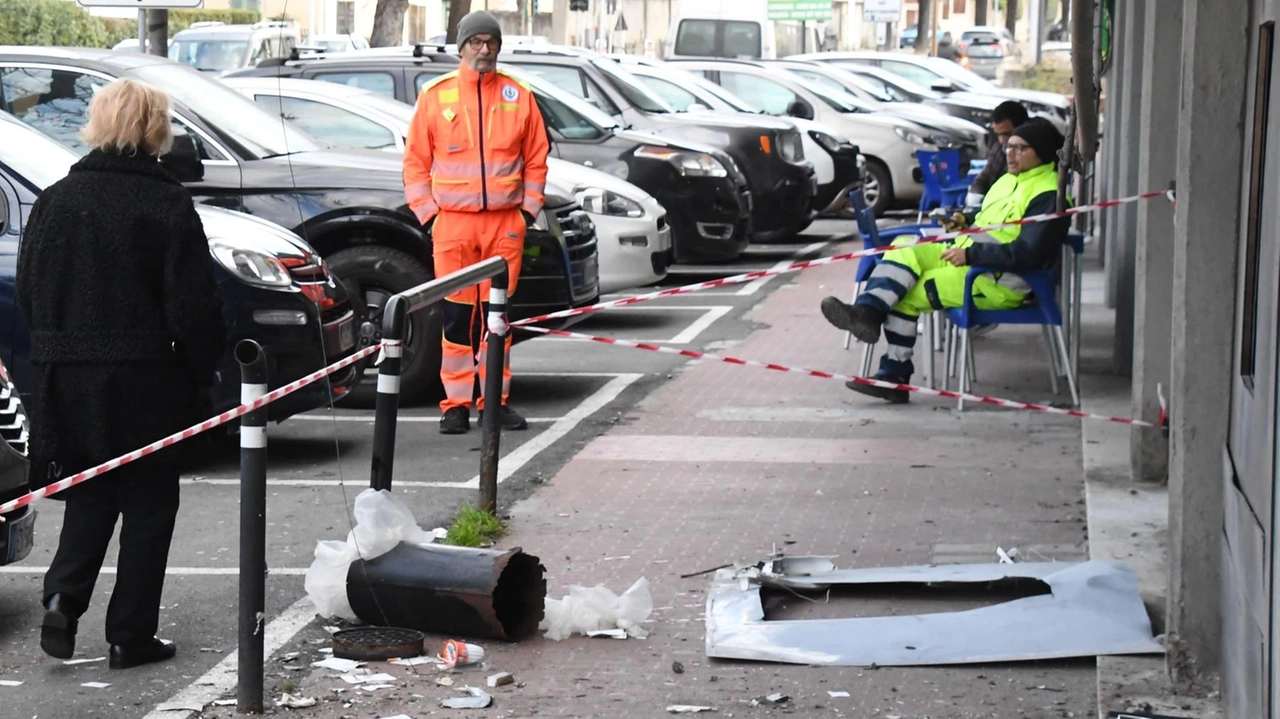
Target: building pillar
(1126, 215)
(1110, 171)
(1206, 229)
(1153, 256)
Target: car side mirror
(942, 85)
(800, 110)
(183, 158)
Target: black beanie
(1043, 138)
(478, 23)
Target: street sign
(882, 10)
(142, 4)
(800, 10)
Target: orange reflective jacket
(477, 142)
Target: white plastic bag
(591, 609)
(382, 522)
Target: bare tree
(457, 9)
(924, 26)
(388, 23)
(1011, 16)
(980, 12)
(158, 32)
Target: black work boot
(508, 419)
(58, 630)
(863, 321)
(127, 657)
(456, 420)
(892, 396)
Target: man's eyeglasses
(476, 43)
(1013, 149)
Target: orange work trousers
(460, 239)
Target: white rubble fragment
(292, 702)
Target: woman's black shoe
(58, 630)
(127, 657)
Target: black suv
(706, 195)
(348, 204)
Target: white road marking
(755, 285)
(711, 313)
(370, 417)
(354, 484)
(221, 679)
(174, 571)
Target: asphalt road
(570, 390)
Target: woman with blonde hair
(117, 287)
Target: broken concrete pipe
(459, 591)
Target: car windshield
(631, 87)
(670, 85)
(229, 112)
(34, 157)
(576, 104)
(334, 45)
(209, 55)
(967, 79)
(841, 101)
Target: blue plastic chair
(943, 187)
(1041, 308)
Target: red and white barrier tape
(749, 276)
(187, 433)
(847, 378)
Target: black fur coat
(117, 286)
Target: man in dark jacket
(117, 286)
(1007, 116)
(925, 278)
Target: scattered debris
(688, 709)
(375, 687)
(210, 650)
(1009, 557)
(1074, 610)
(457, 653)
(608, 633)
(292, 702)
(590, 609)
(837, 695)
(224, 702)
(73, 662)
(501, 679)
(417, 661)
(96, 685)
(445, 681)
(10, 683)
(705, 571)
(478, 699)
(778, 698)
(677, 667)
(181, 707)
(288, 657)
(337, 664)
(367, 678)
(398, 716)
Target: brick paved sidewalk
(726, 464)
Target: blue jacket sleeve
(1037, 246)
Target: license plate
(21, 534)
(347, 335)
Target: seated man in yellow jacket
(924, 278)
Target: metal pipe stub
(458, 591)
(376, 644)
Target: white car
(337, 42)
(632, 235)
(888, 142)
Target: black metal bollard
(253, 528)
(495, 361)
(387, 408)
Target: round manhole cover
(377, 643)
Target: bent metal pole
(253, 528)
(495, 363)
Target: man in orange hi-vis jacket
(475, 168)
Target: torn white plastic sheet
(1091, 609)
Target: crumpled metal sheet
(1093, 609)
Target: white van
(736, 29)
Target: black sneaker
(892, 396)
(863, 321)
(509, 419)
(456, 420)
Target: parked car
(984, 56)
(770, 153)
(348, 204)
(217, 47)
(632, 235)
(965, 105)
(337, 42)
(889, 143)
(908, 36)
(837, 163)
(946, 76)
(705, 194)
(985, 34)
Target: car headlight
(689, 164)
(790, 147)
(251, 266)
(607, 202)
(827, 142)
(909, 135)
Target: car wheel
(372, 274)
(877, 187)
